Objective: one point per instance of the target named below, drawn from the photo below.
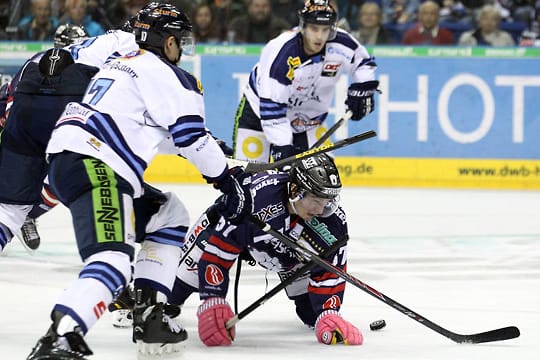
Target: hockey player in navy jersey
(137, 105)
(65, 34)
(290, 89)
(304, 204)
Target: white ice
(466, 260)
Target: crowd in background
(381, 22)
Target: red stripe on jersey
(222, 245)
(211, 258)
(327, 290)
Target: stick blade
(505, 333)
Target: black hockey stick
(283, 284)
(505, 333)
(333, 129)
(257, 167)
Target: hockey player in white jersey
(98, 153)
(291, 87)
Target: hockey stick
(333, 129)
(505, 333)
(283, 284)
(257, 167)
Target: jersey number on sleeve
(99, 87)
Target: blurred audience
(120, 11)
(399, 12)
(257, 21)
(427, 31)
(40, 25)
(259, 25)
(371, 31)
(206, 27)
(76, 13)
(288, 10)
(487, 32)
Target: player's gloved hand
(360, 99)
(236, 202)
(213, 313)
(281, 152)
(331, 328)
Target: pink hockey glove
(213, 313)
(331, 328)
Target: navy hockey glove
(360, 98)
(236, 202)
(282, 152)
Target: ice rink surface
(466, 260)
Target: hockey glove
(213, 313)
(331, 328)
(236, 202)
(360, 98)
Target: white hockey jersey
(95, 51)
(133, 107)
(291, 92)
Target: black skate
(29, 235)
(70, 346)
(121, 308)
(155, 329)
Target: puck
(377, 325)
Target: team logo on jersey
(99, 309)
(330, 69)
(213, 275)
(333, 303)
(293, 63)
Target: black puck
(377, 325)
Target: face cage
(329, 208)
(333, 29)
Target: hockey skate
(155, 328)
(70, 346)
(121, 309)
(29, 235)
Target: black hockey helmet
(318, 175)
(54, 61)
(155, 22)
(67, 34)
(319, 12)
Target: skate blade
(122, 319)
(160, 351)
(28, 249)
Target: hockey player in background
(290, 89)
(304, 204)
(66, 34)
(137, 105)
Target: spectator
(371, 31)
(453, 11)
(76, 13)
(399, 12)
(288, 10)
(40, 25)
(226, 10)
(206, 28)
(120, 11)
(488, 32)
(427, 30)
(259, 25)
(531, 35)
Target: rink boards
(446, 117)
